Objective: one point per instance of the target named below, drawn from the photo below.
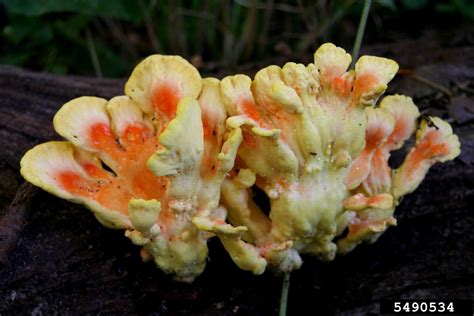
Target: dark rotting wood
(12, 220)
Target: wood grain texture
(55, 257)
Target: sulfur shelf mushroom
(175, 161)
(377, 191)
(317, 144)
(148, 162)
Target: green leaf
(27, 28)
(71, 27)
(445, 8)
(121, 9)
(113, 65)
(414, 4)
(17, 59)
(389, 4)
(463, 7)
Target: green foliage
(414, 4)
(121, 9)
(108, 38)
(463, 7)
(49, 34)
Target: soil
(56, 258)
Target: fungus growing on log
(175, 160)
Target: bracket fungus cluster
(176, 160)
